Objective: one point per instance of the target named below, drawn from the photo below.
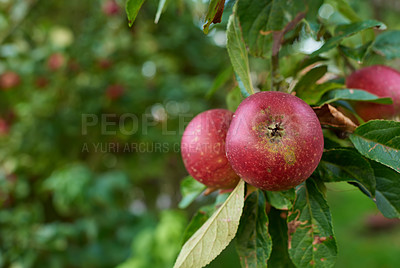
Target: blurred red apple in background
(4, 127)
(41, 82)
(9, 80)
(114, 92)
(110, 8)
(55, 61)
(104, 64)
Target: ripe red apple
(9, 80)
(41, 82)
(203, 149)
(379, 80)
(104, 64)
(275, 141)
(4, 127)
(55, 61)
(114, 92)
(110, 7)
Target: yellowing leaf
(216, 233)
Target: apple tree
(307, 49)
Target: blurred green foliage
(68, 197)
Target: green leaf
(379, 140)
(344, 31)
(308, 80)
(347, 164)
(161, 6)
(132, 8)
(281, 200)
(197, 221)
(387, 190)
(307, 62)
(357, 53)
(238, 54)
(279, 232)
(312, 12)
(311, 239)
(344, 8)
(253, 241)
(387, 44)
(214, 13)
(190, 189)
(69, 188)
(213, 237)
(219, 81)
(259, 19)
(313, 93)
(352, 95)
(330, 143)
(233, 99)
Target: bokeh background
(71, 193)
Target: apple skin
(379, 80)
(203, 149)
(275, 141)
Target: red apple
(104, 64)
(56, 61)
(110, 7)
(9, 80)
(41, 82)
(4, 127)
(114, 92)
(379, 80)
(275, 141)
(203, 149)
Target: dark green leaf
(253, 241)
(308, 80)
(259, 19)
(352, 95)
(379, 140)
(190, 189)
(388, 44)
(344, 31)
(132, 8)
(219, 81)
(214, 13)
(313, 8)
(238, 54)
(233, 99)
(279, 232)
(357, 53)
(387, 190)
(347, 164)
(329, 143)
(311, 239)
(313, 93)
(281, 200)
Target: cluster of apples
(274, 140)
